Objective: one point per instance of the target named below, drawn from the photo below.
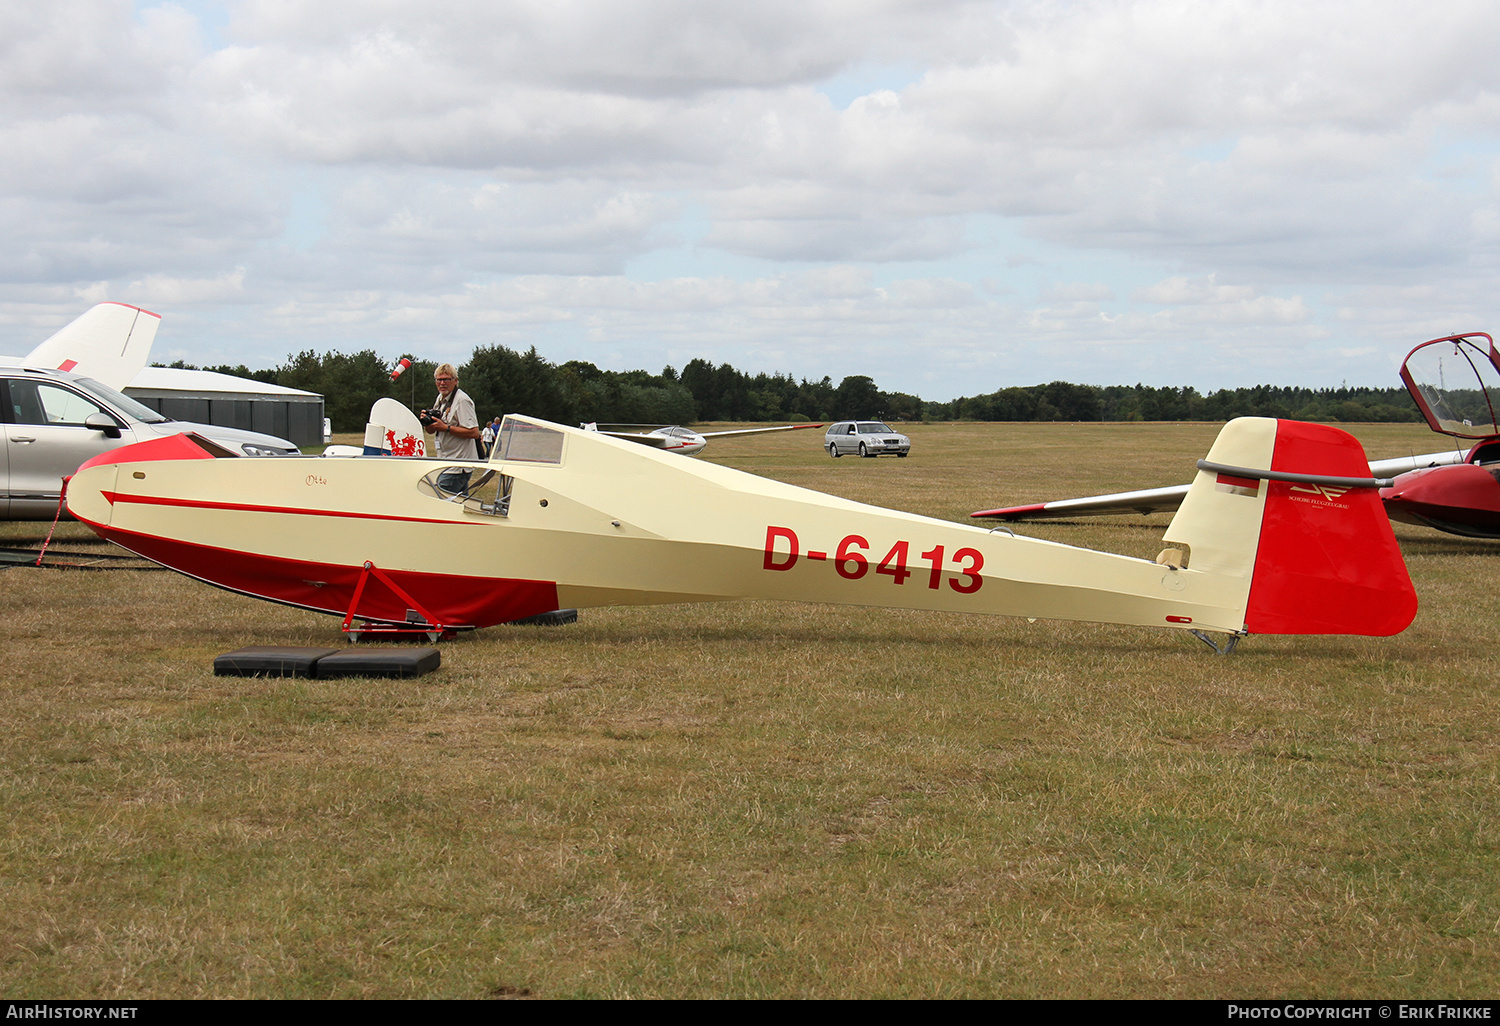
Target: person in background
(487, 440)
(455, 425)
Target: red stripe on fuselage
(243, 507)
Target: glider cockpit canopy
(1455, 382)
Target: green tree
(857, 398)
(502, 381)
(349, 384)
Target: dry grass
(759, 800)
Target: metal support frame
(432, 629)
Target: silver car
(53, 421)
(866, 437)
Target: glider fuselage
(604, 522)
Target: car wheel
(862, 450)
(833, 450)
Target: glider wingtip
(1010, 511)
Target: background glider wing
(655, 441)
(758, 431)
(1402, 464)
(1165, 500)
(1149, 500)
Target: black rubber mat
(270, 661)
(379, 662)
(556, 618)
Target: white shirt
(459, 413)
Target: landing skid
(421, 625)
(389, 632)
(1230, 640)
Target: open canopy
(1456, 384)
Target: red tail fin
(1327, 562)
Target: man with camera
(454, 424)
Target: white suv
(51, 422)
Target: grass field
(753, 800)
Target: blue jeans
(455, 482)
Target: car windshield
(875, 429)
(121, 402)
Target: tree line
(1061, 400)
(501, 380)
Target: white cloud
(1180, 290)
(1119, 174)
(158, 290)
(1078, 291)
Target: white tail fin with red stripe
(110, 343)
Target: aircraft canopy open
(1456, 384)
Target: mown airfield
(758, 800)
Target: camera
(426, 417)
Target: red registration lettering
(790, 537)
(935, 558)
(852, 562)
(971, 572)
(894, 563)
(845, 554)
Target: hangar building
(227, 401)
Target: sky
(950, 197)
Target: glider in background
(562, 517)
(1455, 382)
(52, 418)
(681, 440)
(1164, 500)
(109, 343)
(392, 430)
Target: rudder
(1328, 562)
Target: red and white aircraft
(109, 342)
(1455, 382)
(561, 517)
(678, 439)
